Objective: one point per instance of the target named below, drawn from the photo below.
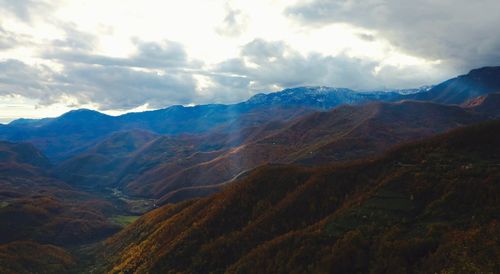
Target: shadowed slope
(31, 257)
(100, 165)
(463, 88)
(22, 153)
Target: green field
(124, 220)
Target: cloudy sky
(130, 55)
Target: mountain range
(306, 180)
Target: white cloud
(234, 24)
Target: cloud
(126, 88)
(25, 10)
(460, 33)
(270, 65)
(157, 74)
(17, 78)
(107, 87)
(9, 40)
(164, 54)
(154, 75)
(75, 40)
(234, 24)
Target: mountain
(43, 217)
(22, 153)
(122, 158)
(426, 207)
(78, 130)
(463, 88)
(321, 98)
(345, 133)
(70, 133)
(99, 164)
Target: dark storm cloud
(461, 33)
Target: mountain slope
(42, 216)
(68, 134)
(126, 155)
(79, 130)
(345, 133)
(463, 88)
(100, 164)
(427, 207)
(30, 257)
(23, 153)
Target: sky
(117, 56)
